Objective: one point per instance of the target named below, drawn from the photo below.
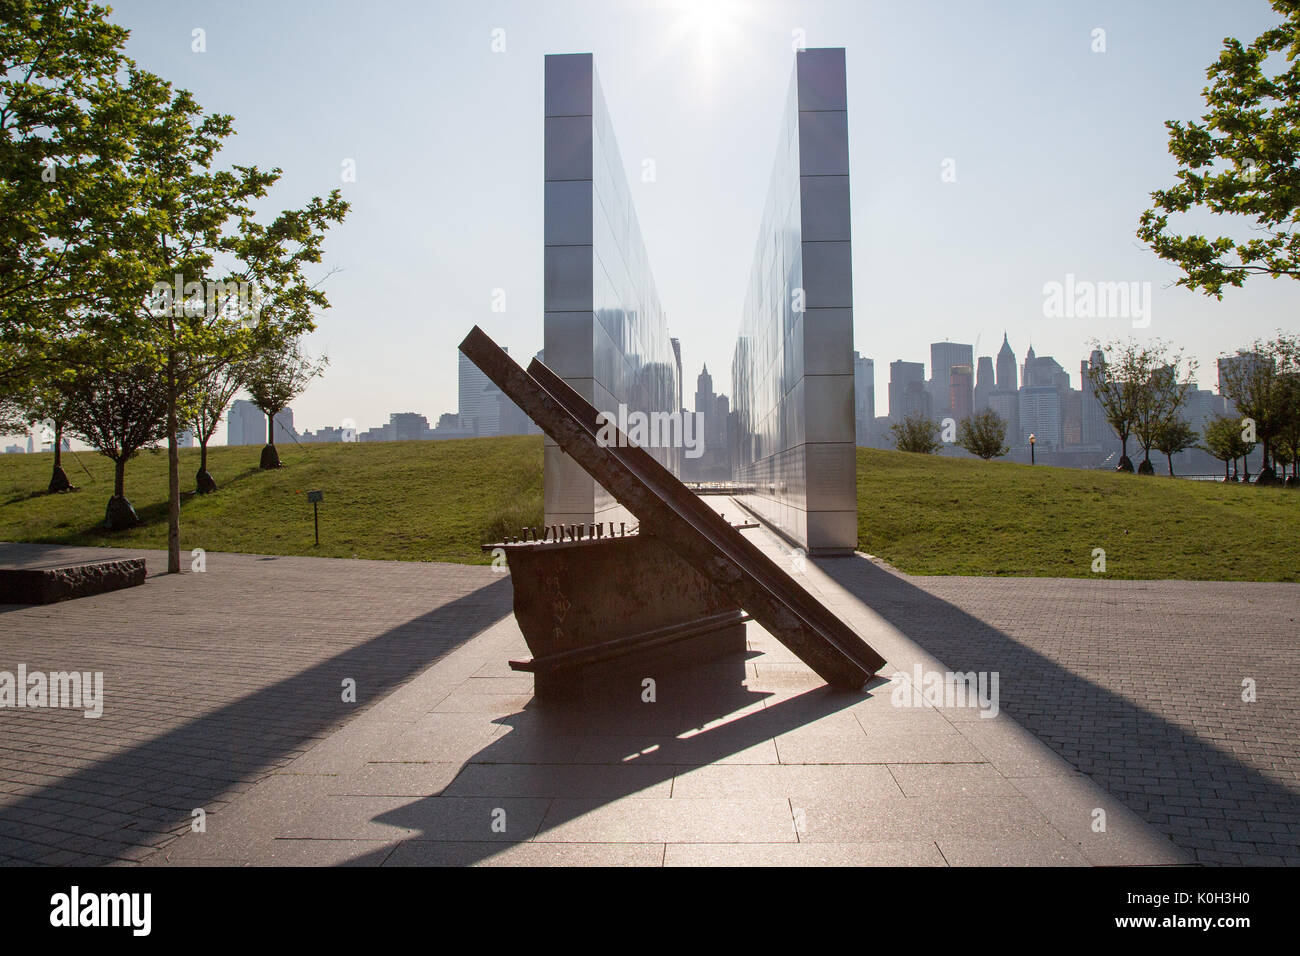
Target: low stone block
(49, 585)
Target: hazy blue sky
(1056, 149)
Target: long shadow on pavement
(80, 819)
(1209, 803)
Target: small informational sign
(315, 496)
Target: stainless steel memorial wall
(792, 370)
(605, 332)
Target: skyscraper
(943, 356)
(864, 396)
(961, 391)
(246, 425)
(1094, 416)
(1040, 415)
(901, 375)
(1006, 367)
(985, 383)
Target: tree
(209, 400)
(49, 408)
(984, 434)
(1255, 379)
(1160, 399)
(1223, 440)
(274, 378)
(64, 121)
(1174, 436)
(1241, 160)
(917, 433)
(1288, 432)
(1120, 382)
(118, 408)
(198, 282)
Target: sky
(1055, 149)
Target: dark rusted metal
(596, 608)
(697, 534)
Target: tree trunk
(270, 457)
(58, 477)
(173, 472)
(203, 481)
(120, 515)
(1171, 464)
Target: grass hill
(437, 501)
(413, 501)
(932, 515)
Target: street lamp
(1032, 439)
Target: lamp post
(1032, 439)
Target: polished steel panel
(824, 202)
(619, 346)
(567, 147)
(792, 370)
(568, 84)
(568, 213)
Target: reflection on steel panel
(681, 520)
(792, 371)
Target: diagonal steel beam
(673, 513)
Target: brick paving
(1137, 684)
(211, 682)
(223, 693)
(747, 761)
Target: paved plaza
(224, 692)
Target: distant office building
(1043, 370)
(246, 425)
(677, 358)
(985, 384)
(1040, 415)
(483, 408)
(901, 376)
(1072, 419)
(961, 391)
(408, 426)
(479, 399)
(864, 397)
(916, 401)
(943, 356)
(1007, 407)
(326, 433)
(1007, 368)
(715, 411)
(1094, 427)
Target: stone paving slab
(1136, 684)
(744, 762)
(212, 682)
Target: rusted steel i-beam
(687, 525)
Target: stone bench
(64, 582)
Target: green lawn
(932, 515)
(437, 501)
(414, 501)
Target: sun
(708, 25)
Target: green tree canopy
(1241, 160)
